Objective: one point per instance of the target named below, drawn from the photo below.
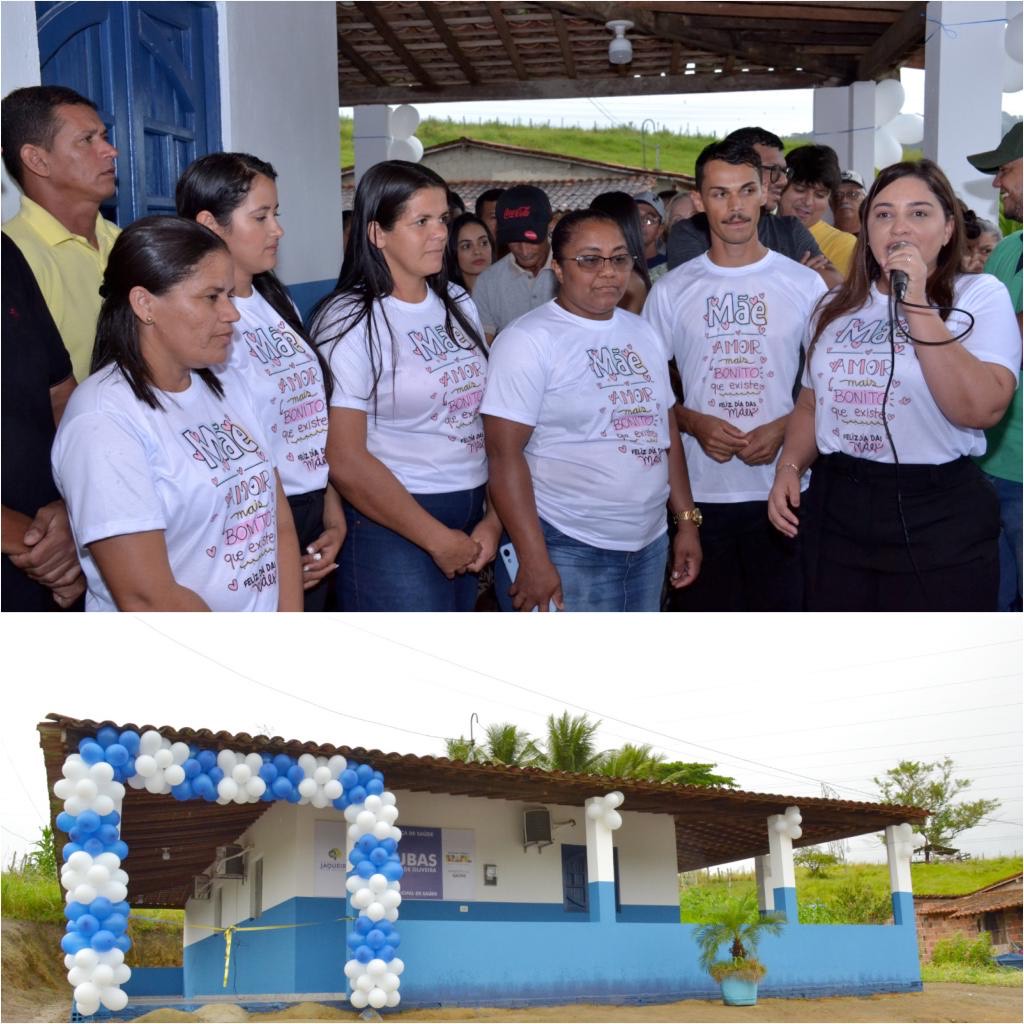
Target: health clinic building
(511, 895)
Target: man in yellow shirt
(55, 147)
(814, 179)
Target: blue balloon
(129, 739)
(65, 822)
(375, 787)
(356, 795)
(267, 796)
(192, 768)
(281, 787)
(203, 786)
(75, 834)
(389, 844)
(107, 735)
(379, 776)
(117, 754)
(216, 773)
(363, 954)
(268, 773)
(365, 868)
(115, 924)
(92, 752)
(394, 939)
(128, 770)
(88, 822)
(354, 940)
(392, 871)
(94, 846)
(340, 804)
(378, 857)
(121, 908)
(207, 759)
(101, 907)
(356, 857)
(295, 774)
(88, 925)
(108, 834)
(113, 818)
(73, 911)
(294, 797)
(386, 953)
(67, 849)
(364, 773)
(73, 942)
(364, 925)
(120, 849)
(123, 943)
(282, 762)
(103, 941)
(71, 926)
(182, 791)
(375, 938)
(367, 843)
(348, 778)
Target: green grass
(965, 974)
(623, 145)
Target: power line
(904, 742)
(949, 753)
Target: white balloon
(145, 766)
(351, 813)
(402, 149)
(396, 834)
(358, 999)
(887, 149)
(612, 820)
(375, 911)
(403, 121)
(322, 775)
(155, 783)
(103, 975)
(333, 789)
(614, 799)
(307, 762)
(79, 861)
(364, 983)
(907, 129)
(353, 970)
(115, 891)
(378, 998)
(388, 799)
(102, 772)
(1014, 40)
(354, 832)
(595, 809)
(376, 968)
(87, 958)
(69, 961)
(1013, 73)
(180, 752)
(393, 999)
(103, 804)
(397, 965)
(137, 782)
(163, 757)
(63, 788)
(382, 830)
(337, 764)
(85, 893)
(256, 787)
(241, 773)
(87, 1007)
(110, 861)
(780, 825)
(373, 803)
(255, 762)
(116, 791)
(113, 998)
(377, 882)
(86, 790)
(97, 876)
(307, 788)
(391, 915)
(74, 805)
(889, 97)
(362, 899)
(150, 742)
(119, 875)
(174, 775)
(320, 801)
(113, 957)
(122, 972)
(390, 982)
(365, 820)
(354, 883)
(87, 992)
(74, 767)
(793, 814)
(390, 899)
(795, 832)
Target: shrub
(745, 968)
(961, 949)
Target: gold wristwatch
(693, 515)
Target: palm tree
(630, 762)
(507, 744)
(461, 749)
(738, 923)
(570, 746)
(691, 773)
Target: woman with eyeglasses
(582, 459)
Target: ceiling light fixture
(620, 49)
(166, 853)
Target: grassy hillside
(849, 893)
(622, 145)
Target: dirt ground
(937, 1004)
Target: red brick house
(996, 909)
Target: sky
(784, 704)
(786, 112)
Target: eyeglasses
(649, 219)
(592, 263)
(777, 172)
(853, 193)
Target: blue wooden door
(575, 891)
(151, 68)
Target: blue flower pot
(739, 992)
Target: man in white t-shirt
(735, 319)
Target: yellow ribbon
(231, 929)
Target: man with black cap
(523, 280)
(1002, 461)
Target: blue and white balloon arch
(96, 886)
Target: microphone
(899, 281)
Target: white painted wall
(279, 96)
(19, 66)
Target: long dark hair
(624, 211)
(365, 279)
(154, 253)
(218, 183)
(864, 268)
(451, 252)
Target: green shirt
(1004, 456)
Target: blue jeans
(1010, 540)
(380, 571)
(596, 579)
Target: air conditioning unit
(202, 886)
(536, 828)
(230, 862)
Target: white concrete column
(964, 56)
(600, 867)
(782, 829)
(370, 136)
(844, 118)
(765, 887)
(19, 66)
(900, 842)
(862, 143)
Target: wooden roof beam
(448, 37)
(348, 53)
(501, 26)
(563, 42)
(894, 44)
(372, 15)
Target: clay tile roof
(713, 825)
(998, 896)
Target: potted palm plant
(739, 924)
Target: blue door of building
(151, 69)
(575, 890)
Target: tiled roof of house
(1008, 892)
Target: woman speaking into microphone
(908, 362)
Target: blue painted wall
(464, 960)
(155, 981)
(307, 294)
